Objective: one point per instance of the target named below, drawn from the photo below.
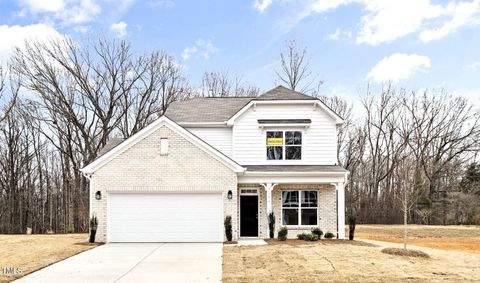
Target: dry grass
(455, 238)
(404, 252)
(337, 261)
(32, 252)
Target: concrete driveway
(136, 262)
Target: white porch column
(341, 210)
(268, 189)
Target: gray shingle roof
(283, 93)
(220, 109)
(294, 168)
(111, 144)
(206, 109)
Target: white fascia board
(164, 120)
(338, 120)
(249, 179)
(267, 173)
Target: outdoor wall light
(98, 195)
(229, 194)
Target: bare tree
(219, 84)
(294, 68)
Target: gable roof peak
(283, 93)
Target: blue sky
(414, 43)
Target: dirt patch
(322, 261)
(455, 238)
(404, 252)
(28, 253)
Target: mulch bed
(403, 252)
(296, 242)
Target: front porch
(300, 200)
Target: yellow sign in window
(274, 141)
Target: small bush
(93, 228)
(69, 229)
(282, 234)
(228, 227)
(301, 236)
(329, 235)
(317, 231)
(311, 237)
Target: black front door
(249, 216)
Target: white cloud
(15, 36)
(68, 11)
(384, 21)
(339, 35)
(161, 3)
(120, 29)
(36, 6)
(262, 5)
(389, 20)
(463, 13)
(474, 66)
(203, 48)
(398, 67)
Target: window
(299, 207)
(284, 145)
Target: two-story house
(207, 158)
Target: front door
(249, 216)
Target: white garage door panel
(165, 218)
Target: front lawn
(27, 253)
(343, 261)
(453, 237)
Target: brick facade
(327, 210)
(141, 168)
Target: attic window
(164, 144)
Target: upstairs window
(284, 145)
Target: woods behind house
(62, 101)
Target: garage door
(165, 218)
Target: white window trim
(299, 209)
(283, 160)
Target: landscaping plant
(271, 224)
(329, 235)
(352, 221)
(93, 228)
(228, 227)
(282, 234)
(318, 232)
(301, 236)
(311, 237)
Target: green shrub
(228, 227)
(282, 234)
(93, 228)
(318, 232)
(271, 224)
(301, 236)
(329, 235)
(311, 237)
(69, 229)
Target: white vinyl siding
(165, 217)
(319, 140)
(219, 138)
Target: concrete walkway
(138, 262)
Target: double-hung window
(299, 208)
(284, 145)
